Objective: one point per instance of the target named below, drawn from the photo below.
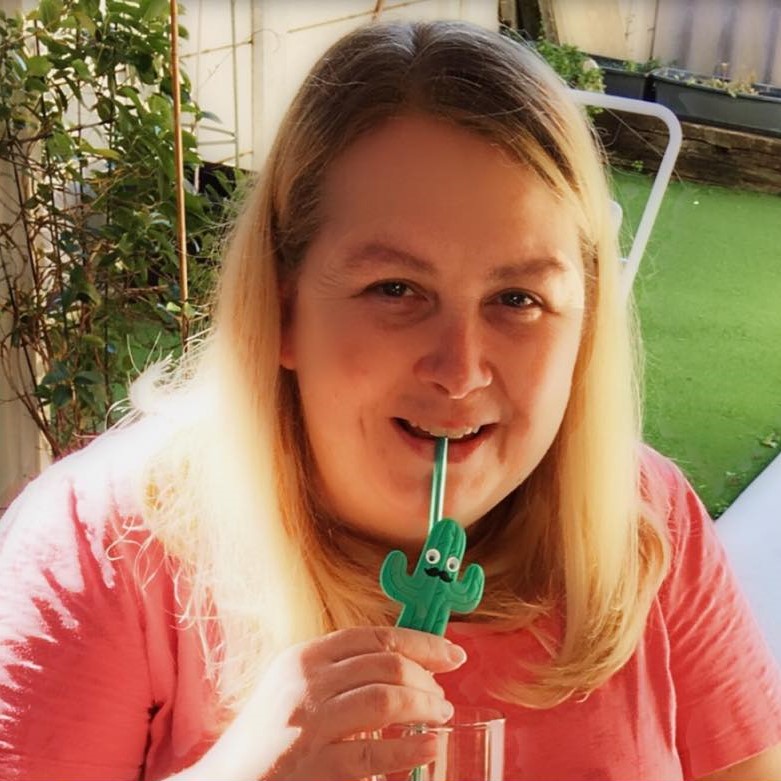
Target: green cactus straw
(432, 591)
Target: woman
(428, 252)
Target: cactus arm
(465, 595)
(395, 581)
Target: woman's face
(443, 295)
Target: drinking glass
(470, 747)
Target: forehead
(432, 181)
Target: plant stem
(181, 221)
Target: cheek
(542, 371)
(339, 356)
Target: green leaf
(93, 340)
(57, 374)
(93, 293)
(132, 93)
(34, 84)
(49, 12)
(81, 68)
(90, 8)
(68, 296)
(86, 20)
(154, 9)
(106, 153)
(44, 394)
(105, 108)
(61, 395)
(772, 440)
(38, 65)
(88, 378)
(60, 145)
(162, 107)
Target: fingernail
(447, 710)
(456, 654)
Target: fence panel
(725, 38)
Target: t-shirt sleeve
(727, 683)
(75, 693)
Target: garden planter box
(621, 81)
(680, 91)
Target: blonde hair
(230, 497)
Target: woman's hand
(306, 717)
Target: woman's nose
(454, 358)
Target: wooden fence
(737, 39)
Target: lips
(454, 433)
(422, 441)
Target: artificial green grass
(709, 297)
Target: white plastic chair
(632, 262)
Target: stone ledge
(711, 155)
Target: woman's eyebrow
(377, 252)
(537, 267)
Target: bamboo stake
(181, 224)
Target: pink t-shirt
(97, 680)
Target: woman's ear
(287, 327)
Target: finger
(355, 759)
(376, 706)
(432, 652)
(384, 667)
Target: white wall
(276, 42)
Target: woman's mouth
(461, 434)
(462, 440)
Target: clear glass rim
(465, 717)
(474, 716)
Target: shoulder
(662, 480)
(727, 685)
(87, 637)
(80, 504)
(107, 473)
(671, 499)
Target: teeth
(450, 433)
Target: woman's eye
(518, 299)
(392, 289)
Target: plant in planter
(738, 104)
(627, 78)
(88, 267)
(576, 67)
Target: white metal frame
(663, 175)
